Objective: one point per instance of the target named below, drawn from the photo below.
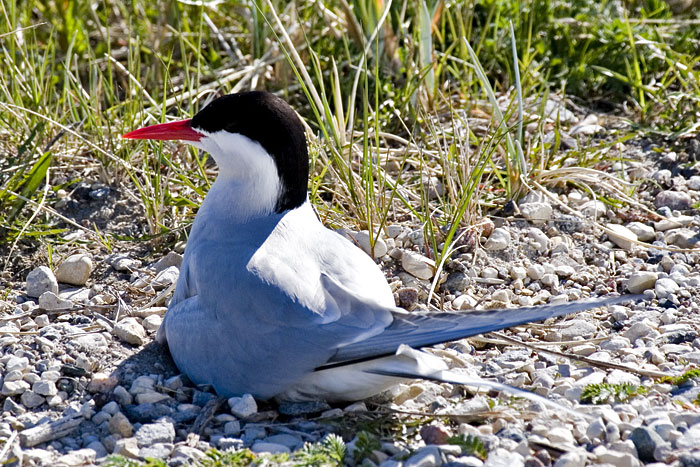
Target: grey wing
(245, 333)
(422, 330)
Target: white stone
(417, 265)
(537, 213)
(637, 330)
(539, 239)
(165, 278)
(14, 388)
(45, 388)
(270, 448)
(41, 280)
(151, 397)
(621, 236)
(561, 435)
(152, 322)
(142, 384)
(644, 233)
(665, 287)
(593, 209)
(129, 330)
(499, 240)
(16, 364)
(74, 270)
(362, 238)
(31, 399)
(244, 406)
(639, 281)
(50, 301)
(535, 271)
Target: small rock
(123, 263)
(45, 388)
(499, 240)
(156, 451)
(190, 454)
(295, 409)
(500, 457)
(428, 456)
(408, 297)
(15, 363)
(270, 448)
(79, 457)
(621, 236)
(120, 425)
(434, 434)
(49, 301)
(675, 200)
(577, 328)
(535, 272)
(560, 435)
(362, 238)
(683, 238)
(644, 233)
(159, 432)
(540, 240)
(639, 281)
(151, 397)
(417, 265)
(537, 213)
(74, 270)
(596, 430)
(456, 282)
(666, 287)
(142, 384)
(152, 323)
(102, 382)
(122, 396)
(13, 388)
(637, 330)
(243, 407)
(41, 280)
(129, 330)
(645, 440)
(169, 260)
(31, 399)
(165, 278)
(127, 447)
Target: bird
(272, 303)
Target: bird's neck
(239, 200)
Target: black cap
(269, 120)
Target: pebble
(676, 200)
(456, 282)
(644, 233)
(243, 407)
(535, 272)
(49, 301)
(540, 240)
(160, 432)
(152, 322)
(645, 441)
(621, 236)
(499, 240)
(171, 259)
(683, 238)
(75, 269)
(130, 331)
(417, 265)
(362, 238)
(665, 287)
(537, 213)
(41, 279)
(425, 457)
(123, 263)
(165, 278)
(639, 281)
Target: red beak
(181, 130)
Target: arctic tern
(272, 303)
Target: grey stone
(271, 448)
(41, 279)
(302, 408)
(291, 442)
(500, 239)
(645, 440)
(537, 213)
(45, 388)
(190, 454)
(676, 200)
(129, 330)
(156, 451)
(362, 238)
(165, 278)
(14, 388)
(639, 281)
(123, 263)
(666, 287)
(31, 399)
(456, 282)
(417, 265)
(120, 425)
(621, 236)
(169, 260)
(644, 233)
(74, 270)
(244, 406)
(159, 432)
(50, 301)
(428, 456)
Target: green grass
(605, 393)
(394, 93)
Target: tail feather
(422, 330)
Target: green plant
(605, 393)
(471, 445)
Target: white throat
(248, 184)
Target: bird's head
(255, 138)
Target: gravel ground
(82, 378)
